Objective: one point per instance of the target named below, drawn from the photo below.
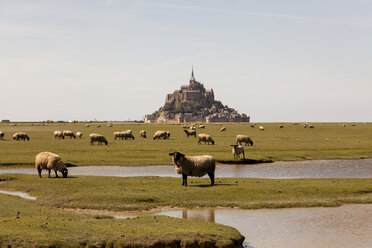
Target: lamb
(237, 150)
(160, 134)
(190, 133)
(97, 138)
(240, 138)
(205, 138)
(196, 166)
(58, 135)
(143, 133)
(223, 129)
(20, 136)
(70, 134)
(127, 134)
(201, 126)
(79, 135)
(261, 128)
(1, 135)
(50, 161)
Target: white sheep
(223, 129)
(79, 135)
(50, 161)
(261, 128)
(97, 138)
(68, 133)
(58, 135)
(201, 126)
(237, 150)
(195, 166)
(20, 136)
(205, 138)
(1, 135)
(118, 135)
(190, 133)
(127, 134)
(143, 133)
(160, 134)
(240, 138)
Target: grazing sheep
(223, 129)
(240, 138)
(253, 125)
(79, 135)
(20, 136)
(195, 166)
(344, 125)
(352, 124)
(261, 128)
(281, 126)
(58, 135)
(143, 133)
(97, 138)
(98, 126)
(70, 134)
(87, 125)
(109, 125)
(201, 126)
(1, 135)
(50, 161)
(192, 127)
(118, 135)
(310, 126)
(190, 133)
(237, 150)
(160, 134)
(205, 138)
(127, 134)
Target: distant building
(194, 103)
(6, 121)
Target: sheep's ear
(171, 154)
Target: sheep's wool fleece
(48, 160)
(196, 166)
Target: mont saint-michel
(194, 103)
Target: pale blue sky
(116, 60)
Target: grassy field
(293, 142)
(144, 193)
(24, 223)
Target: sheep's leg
(48, 172)
(184, 179)
(211, 176)
(39, 170)
(243, 155)
(56, 173)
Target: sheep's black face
(176, 156)
(64, 173)
(212, 142)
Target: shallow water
(18, 193)
(360, 168)
(345, 226)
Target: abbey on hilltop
(194, 103)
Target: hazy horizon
(276, 61)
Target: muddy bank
(360, 168)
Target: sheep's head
(65, 172)
(176, 157)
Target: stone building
(194, 103)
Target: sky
(276, 61)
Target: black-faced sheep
(68, 133)
(20, 136)
(97, 138)
(58, 135)
(201, 126)
(160, 134)
(281, 126)
(240, 138)
(1, 135)
(205, 138)
(261, 128)
(143, 133)
(237, 150)
(195, 166)
(50, 161)
(118, 135)
(190, 133)
(127, 134)
(223, 129)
